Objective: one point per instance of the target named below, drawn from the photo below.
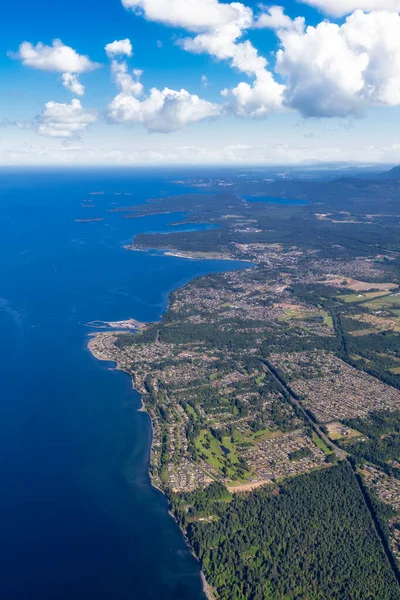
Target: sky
(171, 82)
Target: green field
(190, 410)
(222, 456)
(391, 301)
(362, 296)
(321, 444)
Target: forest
(310, 538)
(323, 535)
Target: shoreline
(195, 255)
(207, 589)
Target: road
(343, 455)
(340, 453)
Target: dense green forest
(310, 539)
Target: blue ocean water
(78, 516)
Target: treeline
(378, 423)
(208, 334)
(379, 451)
(296, 340)
(313, 538)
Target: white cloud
(194, 154)
(257, 100)
(124, 80)
(204, 80)
(275, 18)
(333, 70)
(340, 8)
(194, 15)
(219, 27)
(72, 83)
(58, 58)
(163, 111)
(327, 70)
(223, 45)
(64, 120)
(119, 47)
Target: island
(94, 220)
(274, 390)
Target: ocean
(78, 515)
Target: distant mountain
(392, 174)
(363, 177)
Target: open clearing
(361, 297)
(359, 286)
(377, 322)
(390, 301)
(338, 431)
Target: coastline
(117, 367)
(207, 589)
(193, 255)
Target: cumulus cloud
(119, 47)
(333, 70)
(340, 8)
(275, 18)
(72, 83)
(58, 58)
(258, 99)
(125, 81)
(223, 45)
(64, 120)
(329, 70)
(163, 111)
(218, 25)
(219, 28)
(194, 15)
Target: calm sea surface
(78, 516)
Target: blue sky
(237, 83)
